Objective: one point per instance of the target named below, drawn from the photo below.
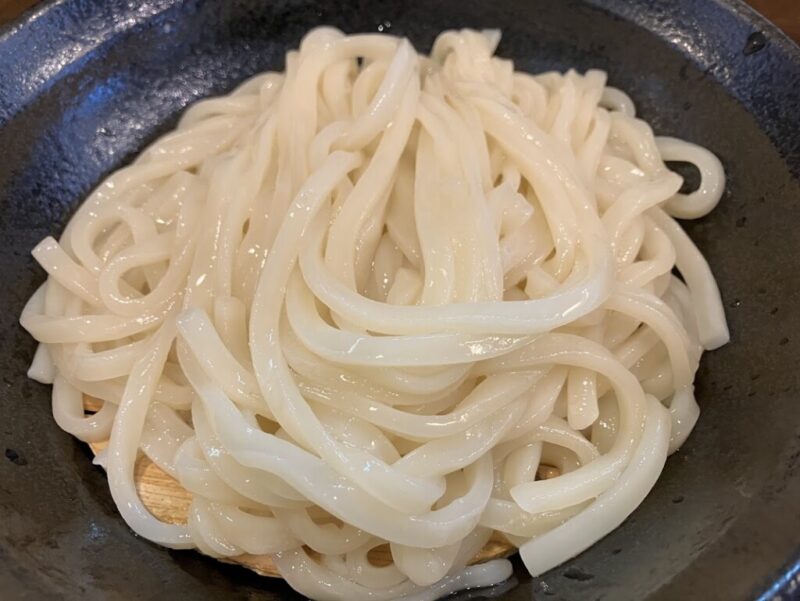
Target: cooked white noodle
(363, 301)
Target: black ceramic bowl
(86, 85)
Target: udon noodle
(361, 302)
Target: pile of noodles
(361, 302)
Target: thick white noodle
(368, 301)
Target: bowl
(86, 86)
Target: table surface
(784, 13)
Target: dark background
(784, 13)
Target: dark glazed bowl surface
(86, 85)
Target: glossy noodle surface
(361, 304)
